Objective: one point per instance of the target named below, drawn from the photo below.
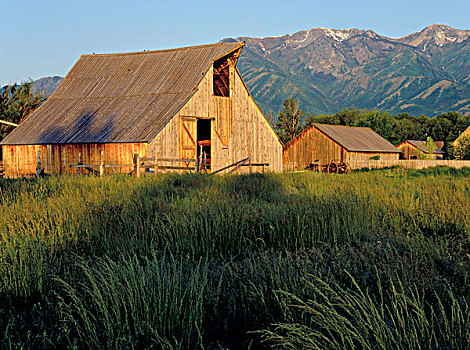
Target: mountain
(46, 85)
(328, 69)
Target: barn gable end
(238, 128)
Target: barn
(171, 105)
(335, 143)
(415, 149)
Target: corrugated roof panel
(126, 97)
(357, 139)
(133, 117)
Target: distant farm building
(412, 149)
(169, 104)
(466, 133)
(339, 144)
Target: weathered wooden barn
(334, 143)
(413, 149)
(169, 103)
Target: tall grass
(137, 303)
(396, 318)
(209, 253)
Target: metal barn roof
(123, 97)
(463, 134)
(421, 145)
(357, 139)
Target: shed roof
(123, 97)
(466, 132)
(421, 145)
(357, 139)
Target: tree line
(397, 128)
(16, 103)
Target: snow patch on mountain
(264, 49)
(337, 35)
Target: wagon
(332, 168)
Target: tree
(395, 128)
(430, 146)
(447, 127)
(289, 122)
(16, 103)
(381, 122)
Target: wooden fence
(152, 165)
(412, 164)
(1, 170)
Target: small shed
(414, 149)
(335, 143)
(169, 104)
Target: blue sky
(45, 37)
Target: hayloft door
(187, 140)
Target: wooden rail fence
(411, 164)
(244, 162)
(2, 173)
(153, 165)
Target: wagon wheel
(341, 168)
(332, 168)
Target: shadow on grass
(256, 234)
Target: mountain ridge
(46, 85)
(326, 70)
(330, 69)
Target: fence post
(199, 163)
(38, 167)
(205, 165)
(79, 162)
(134, 160)
(102, 164)
(49, 147)
(137, 164)
(64, 159)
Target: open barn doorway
(204, 143)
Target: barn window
(222, 77)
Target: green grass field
(370, 260)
